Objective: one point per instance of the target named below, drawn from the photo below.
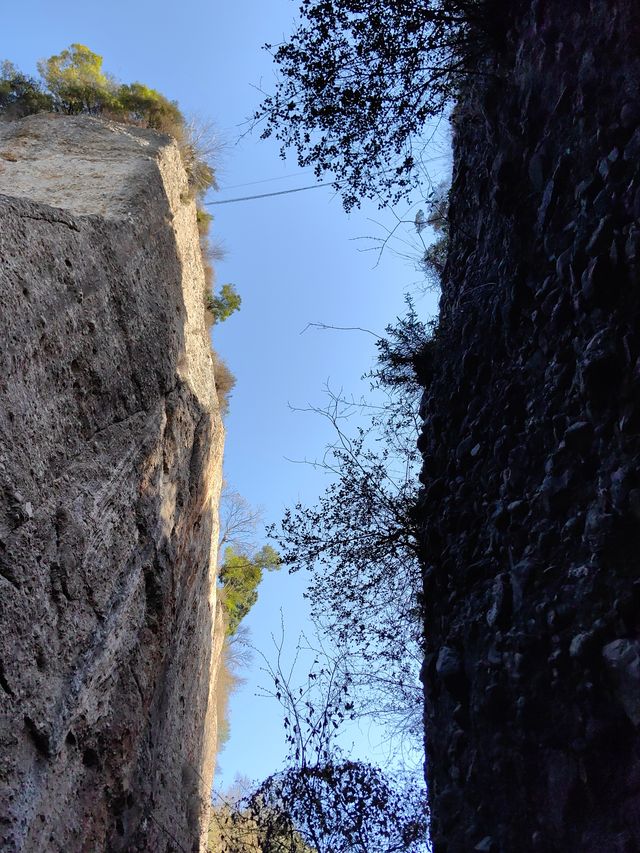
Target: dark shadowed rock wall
(531, 443)
(110, 470)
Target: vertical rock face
(110, 470)
(531, 442)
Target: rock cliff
(110, 472)
(531, 443)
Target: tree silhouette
(358, 81)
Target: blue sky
(294, 259)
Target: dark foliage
(323, 801)
(359, 80)
(435, 255)
(21, 95)
(339, 807)
(401, 352)
(359, 542)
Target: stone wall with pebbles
(531, 443)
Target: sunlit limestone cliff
(110, 472)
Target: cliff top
(82, 164)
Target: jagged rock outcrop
(531, 442)
(110, 471)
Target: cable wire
(335, 184)
(268, 195)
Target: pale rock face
(110, 471)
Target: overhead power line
(269, 180)
(268, 195)
(296, 189)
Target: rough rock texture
(110, 470)
(531, 508)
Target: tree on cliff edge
(359, 81)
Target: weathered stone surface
(110, 468)
(622, 657)
(531, 543)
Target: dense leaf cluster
(21, 95)
(341, 807)
(240, 575)
(222, 305)
(402, 352)
(359, 79)
(74, 82)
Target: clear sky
(294, 259)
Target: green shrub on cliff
(203, 220)
(74, 82)
(224, 304)
(21, 95)
(239, 576)
(149, 107)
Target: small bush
(221, 307)
(203, 221)
(21, 95)
(402, 352)
(225, 381)
(227, 682)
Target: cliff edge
(110, 472)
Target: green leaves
(268, 558)
(240, 576)
(77, 82)
(74, 82)
(147, 105)
(224, 304)
(21, 95)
